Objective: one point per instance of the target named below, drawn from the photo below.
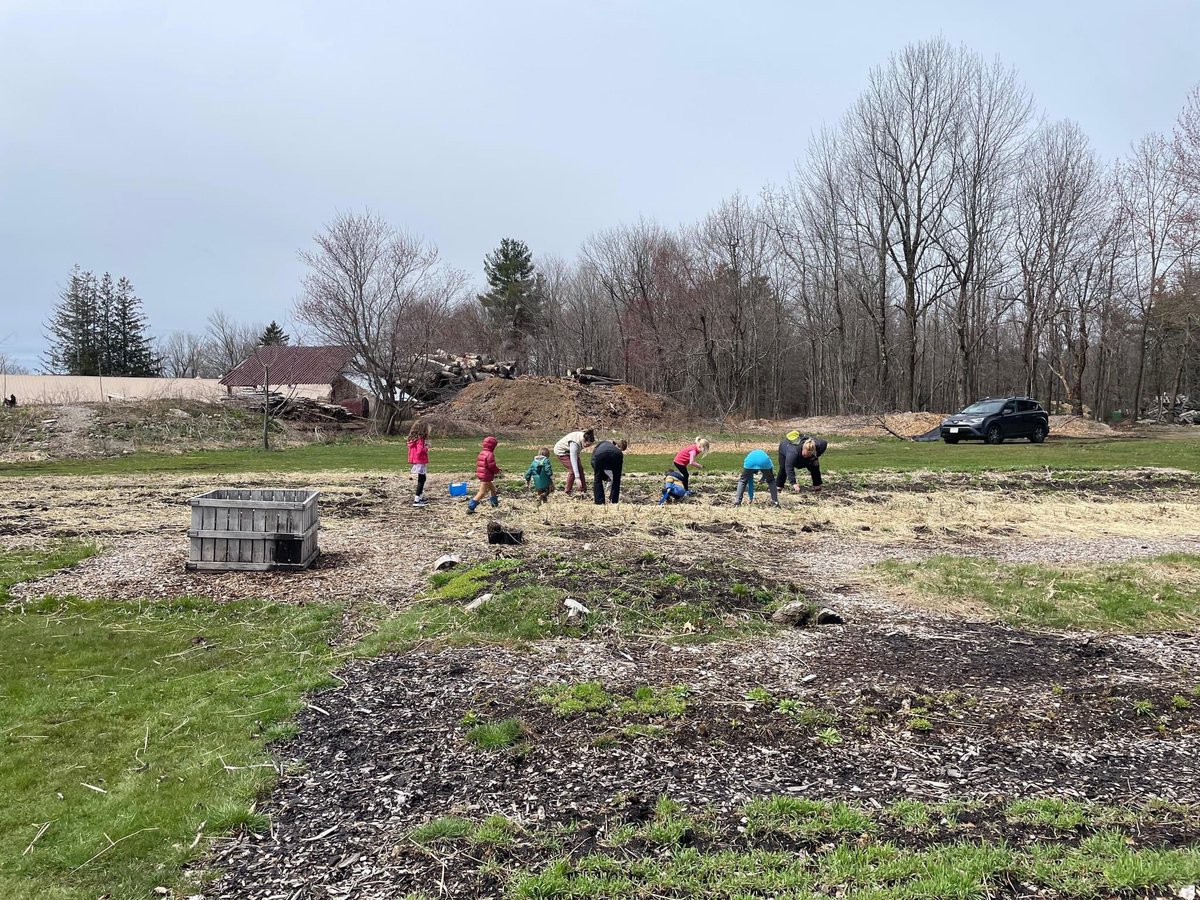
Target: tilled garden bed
(866, 717)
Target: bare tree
(1156, 205)
(184, 355)
(641, 269)
(994, 111)
(384, 294)
(905, 128)
(1187, 146)
(1056, 202)
(10, 366)
(228, 342)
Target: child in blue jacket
(674, 488)
(756, 463)
(540, 475)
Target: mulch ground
(1011, 715)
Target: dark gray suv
(996, 418)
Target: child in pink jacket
(486, 471)
(418, 457)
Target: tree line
(938, 244)
(98, 327)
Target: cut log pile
(1180, 409)
(290, 408)
(442, 375)
(592, 375)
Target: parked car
(996, 418)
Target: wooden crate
(253, 530)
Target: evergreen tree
(73, 329)
(274, 336)
(514, 300)
(129, 348)
(106, 336)
(98, 328)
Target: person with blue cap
(756, 463)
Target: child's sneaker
(494, 500)
(471, 504)
(419, 500)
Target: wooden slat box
(253, 530)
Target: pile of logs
(1180, 408)
(443, 375)
(440, 375)
(592, 375)
(294, 409)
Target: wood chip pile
(556, 404)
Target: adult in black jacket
(799, 451)
(607, 461)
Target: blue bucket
(458, 489)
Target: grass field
(1161, 593)
(130, 734)
(854, 455)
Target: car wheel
(994, 435)
(1039, 435)
(950, 440)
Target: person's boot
(471, 504)
(494, 500)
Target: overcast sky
(195, 147)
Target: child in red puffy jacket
(486, 471)
(418, 457)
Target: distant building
(315, 372)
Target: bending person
(756, 463)
(690, 456)
(567, 450)
(800, 451)
(608, 459)
(674, 487)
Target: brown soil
(394, 755)
(553, 404)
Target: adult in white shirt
(567, 450)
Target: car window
(983, 408)
(1026, 406)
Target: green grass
(497, 735)
(442, 830)
(802, 817)
(591, 697)
(1161, 593)
(457, 455)
(804, 713)
(647, 701)
(572, 699)
(21, 565)
(632, 595)
(165, 708)
(850, 851)
(954, 871)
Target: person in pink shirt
(690, 456)
(418, 457)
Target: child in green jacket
(540, 476)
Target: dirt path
(71, 431)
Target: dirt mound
(1078, 426)
(553, 404)
(905, 424)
